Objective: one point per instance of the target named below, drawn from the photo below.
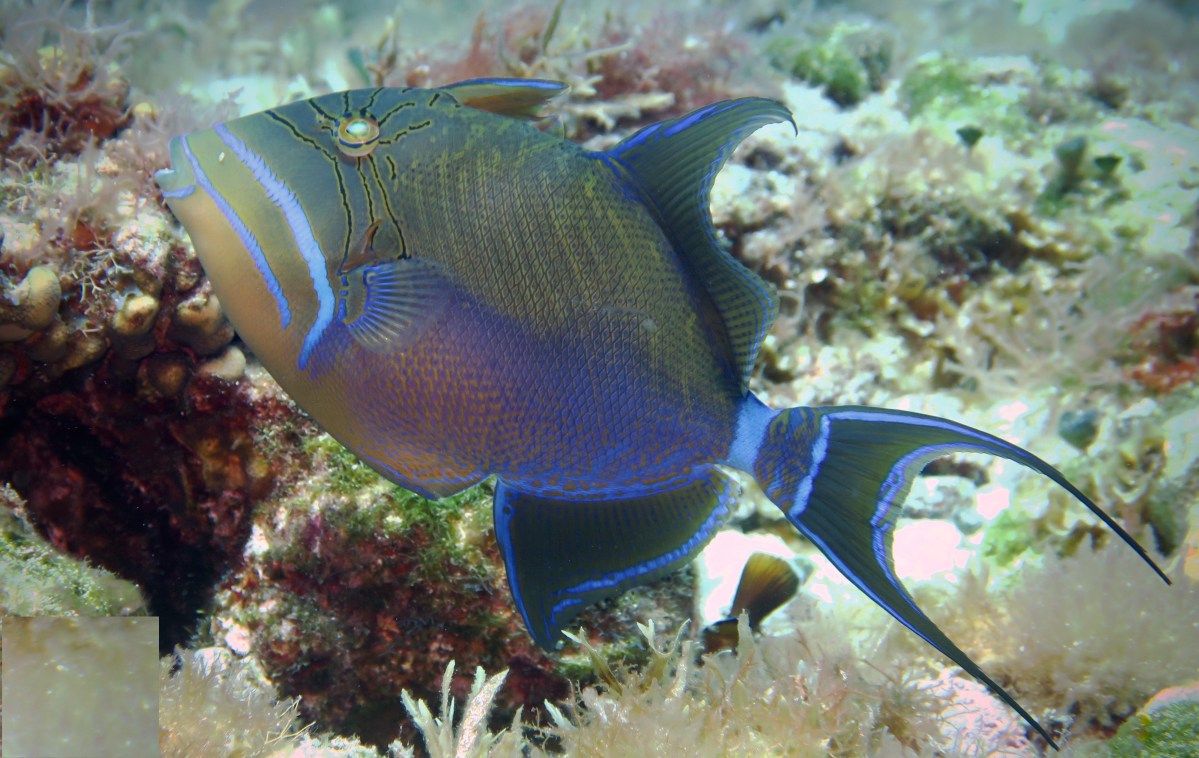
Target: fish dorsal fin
(521, 98)
(562, 555)
(674, 163)
(387, 305)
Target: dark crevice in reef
(157, 490)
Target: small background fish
(767, 582)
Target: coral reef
(127, 445)
(353, 590)
(60, 98)
(35, 580)
(623, 66)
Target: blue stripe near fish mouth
(248, 240)
(174, 194)
(301, 231)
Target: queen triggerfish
(454, 294)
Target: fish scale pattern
(604, 376)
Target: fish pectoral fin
(562, 555)
(385, 306)
(673, 164)
(520, 98)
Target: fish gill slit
(395, 110)
(387, 204)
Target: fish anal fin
(520, 98)
(673, 165)
(562, 555)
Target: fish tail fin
(840, 474)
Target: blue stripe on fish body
(178, 194)
(297, 220)
(243, 233)
(635, 139)
(502, 513)
(803, 492)
(697, 116)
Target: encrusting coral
(31, 304)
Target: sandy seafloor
(989, 213)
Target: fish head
(281, 205)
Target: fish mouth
(177, 181)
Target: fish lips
(179, 180)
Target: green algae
(1171, 731)
(943, 89)
(848, 63)
(37, 580)
(344, 472)
(451, 528)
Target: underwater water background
(988, 212)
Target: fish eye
(357, 135)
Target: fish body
(454, 294)
(517, 340)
